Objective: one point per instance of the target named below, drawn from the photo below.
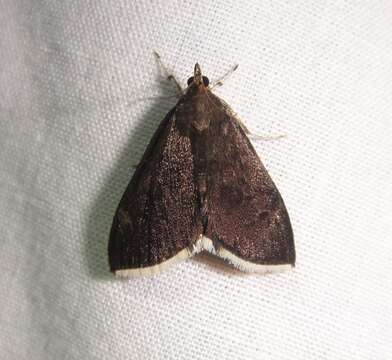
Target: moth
(200, 186)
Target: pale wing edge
(243, 264)
(182, 255)
(154, 269)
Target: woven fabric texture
(81, 95)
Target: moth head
(198, 78)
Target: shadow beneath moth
(200, 186)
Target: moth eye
(190, 80)
(206, 81)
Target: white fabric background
(76, 81)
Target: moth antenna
(168, 74)
(220, 81)
(154, 97)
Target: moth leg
(168, 75)
(253, 136)
(241, 124)
(220, 81)
(135, 165)
(266, 137)
(140, 163)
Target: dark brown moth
(200, 186)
